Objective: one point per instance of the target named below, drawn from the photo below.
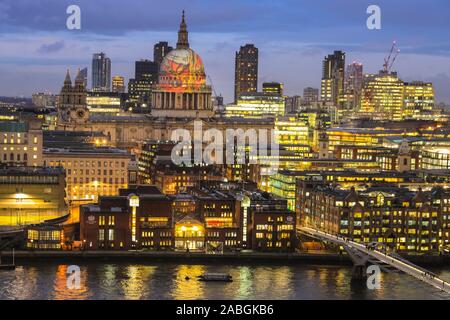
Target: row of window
(88, 164)
(17, 139)
(94, 179)
(282, 235)
(17, 157)
(103, 220)
(109, 235)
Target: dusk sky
(293, 36)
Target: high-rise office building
(139, 92)
(246, 71)
(118, 84)
(101, 72)
(273, 87)
(352, 87)
(140, 88)
(333, 73)
(84, 76)
(293, 104)
(146, 70)
(160, 50)
(382, 97)
(419, 99)
(310, 95)
(354, 77)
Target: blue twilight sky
(293, 36)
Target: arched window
(25, 157)
(11, 157)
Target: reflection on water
(188, 289)
(134, 283)
(245, 283)
(168, 281)
(19, 284)
(60, 290)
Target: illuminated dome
(181, 91)
(182, 70)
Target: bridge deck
(400, 264)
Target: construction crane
(212, 86)
(389, 61)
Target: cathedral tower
(72, 107)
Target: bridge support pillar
(359, 273)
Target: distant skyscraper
(273, 87)
(333, 73)
(146, 70)
(84, 76)
(354, 77)
(118, 84)
(101, 72)
(353, 86)
(160, 50)
(246, 71)
(310, 95)
(293, 104)
(145, 76)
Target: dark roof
(13, 126)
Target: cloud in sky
(51, 47)
(293, 36)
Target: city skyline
(143, 173)
(292, 43)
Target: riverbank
(325, 258)
(156, 256)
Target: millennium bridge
(362, 254)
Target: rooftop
(13, 126)
(31, 171)
(111, 152)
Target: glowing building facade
(333, 73)
(273, 87)
(419, 99)
(257, 105)
(31, 195)
(90, 172)
(21, 143)
(292, 130)
(435, 158)
(382, 97)
(404, 220)
(118, 84)
(103, 102)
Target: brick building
(407, 220)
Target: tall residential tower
(160, 50)
(246, 71)
(101, 72)
(333, 73)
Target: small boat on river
(223, 277)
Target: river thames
(167, 281)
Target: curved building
(182, 91)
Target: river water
(43, 280)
